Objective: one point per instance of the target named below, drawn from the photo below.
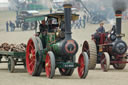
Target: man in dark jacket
(101, 29)
(43, 31)
(43, 28)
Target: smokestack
(67, 18)
(118, 15)
(119, 6)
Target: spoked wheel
(105, 62)
(83, 68)
(11, 65)
(68, 71)
(50, 64)
(120, 66)
(90, 48)
(33, 57)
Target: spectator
(12, 26)
(50, 10)
(7, 26)
(84, 21)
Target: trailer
(13, 59)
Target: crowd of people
(10, 26)
(80, 23)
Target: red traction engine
(107, 48)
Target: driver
(43, 32)
(43, 26)
(52, 27)
(101, 29)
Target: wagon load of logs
(13, 47)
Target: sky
(1, 1)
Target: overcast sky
(3, 1)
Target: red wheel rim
(48, 65)
(103, 62)
(30, 56)
(81, 68)
(85, 47)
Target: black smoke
(120, 5)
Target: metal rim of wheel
(30, 56)
(33, 60)
(11, 64)
(105, 61)
(120, 66)
(68, 71)
(90, 48)
(83, 68)
(50, 64)
(40, 58)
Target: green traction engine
(47, 52)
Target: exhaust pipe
(67, 47)
(118, 21)
(67, 18)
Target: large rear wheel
(83, 68)
(33, 56)
(90, 48)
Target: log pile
(13, 47)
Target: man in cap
(101, 29)
(43, 28)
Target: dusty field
(21, 77)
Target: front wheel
(83, 68)
(50, 64)
(105, 62)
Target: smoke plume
(120, 5)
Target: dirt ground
(95, 77)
